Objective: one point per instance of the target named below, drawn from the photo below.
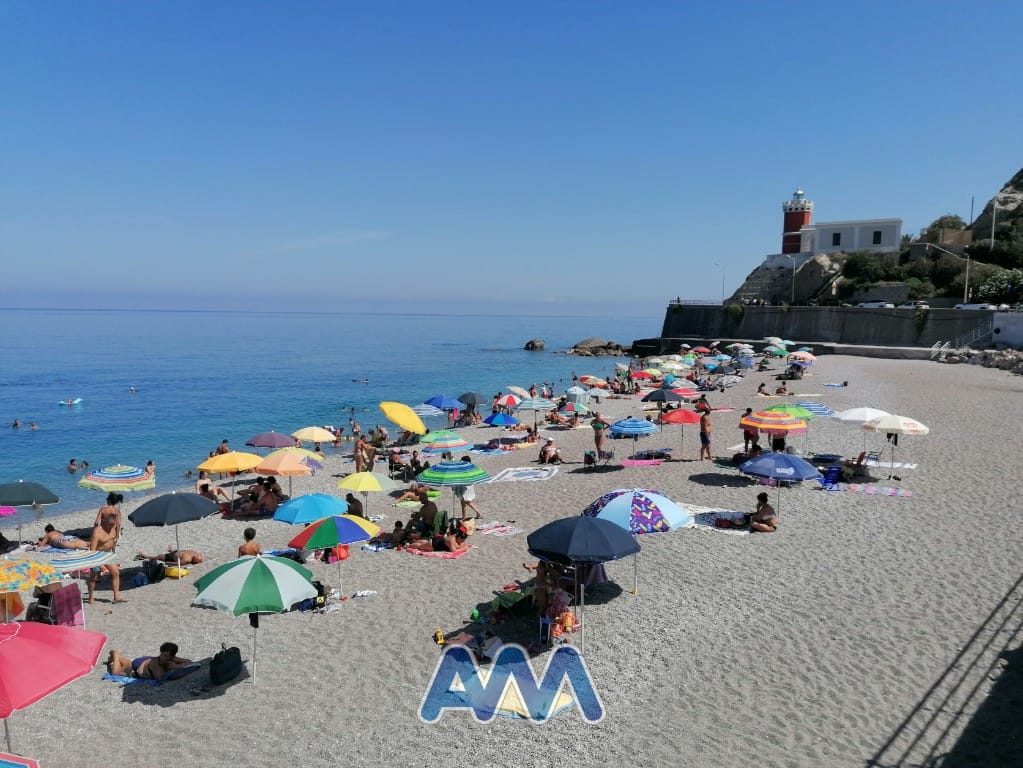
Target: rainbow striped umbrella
(119, 477)
(453, 474)
(333, 531)
(443, 440)
(773, 423)
(792, 410)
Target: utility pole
(994, 215)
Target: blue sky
(587, 157)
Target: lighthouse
(798, 212)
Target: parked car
(914, 305)
(975, 306)
(876, 305)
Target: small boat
(74, 401)
(360, 381)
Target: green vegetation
(948, 221)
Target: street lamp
(966, 282)
(792, 301)
(717, 264)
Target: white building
(863, 235)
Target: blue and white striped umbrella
(633, 427)
(535, 404)
(427, 411)
(817, 409)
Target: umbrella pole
(340, 590)
(635, 575)
(582, 614)
(7, 733)
(255, 632)
(365, 504)
(177, 549)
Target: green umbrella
(453, 474)
(254, 585)
(792, 410)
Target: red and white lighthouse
(798, 213)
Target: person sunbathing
(147, 667)
(412, 494)
(175, 556)
(452, 541)
(782, 390)
(765, 519)
(550, 454)
(60, 540)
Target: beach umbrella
(334, 531)
(37, 659)
(444, 402)
(453, 474)
(802, 356)
(858, 417)
(232, 461)
(775, 352)
(500, 419)
(425, 411)
(314, 435)
(655, 361)
(522, 393)
(722, 357)
(701, 350)
(284, 464)
(728, 381)
(792, 410)
(894, 425)
(119, 477)
(22, 494)
(270, 440)
(655, 372)
(576, 541)
(173, 509)
(686, 393)
(573, 409)
(472, 399)
(69, 560)
(22, 575)
(443, 440)
(639, 510)
(641, 375)
(367, 483)
(536, 404)
(509, 401)
(681, 417)
(592, 381)
(661, 396)
(776, 423)
(634, 428)
(255, 584)
(313, 457)
(403, 416)
(780, 467)
(310, 508)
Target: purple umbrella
(270, 440)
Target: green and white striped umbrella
(453, 473)
(260, 584)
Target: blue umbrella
(445, 403)
(781, 467)
(310, 508)
(501, 420)
(633, 427)
(638, 510)
(427, 411)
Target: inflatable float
(75, 401)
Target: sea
(204, 376)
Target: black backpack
(154, 570)
(226, 665)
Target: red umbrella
(641, 375)
(701, 350)
(689, 394)
(37, 659)
(682, 417)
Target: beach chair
(832, 476)
(404, 471)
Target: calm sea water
(201, 377)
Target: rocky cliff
(1010, 210)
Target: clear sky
(555, 157)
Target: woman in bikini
(110, 512)
(147, 667)
(599, 425)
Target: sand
(815, 646)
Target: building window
(836, 238)
(877, 237)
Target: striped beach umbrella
(333, 531)
(443, 440)
(259, 584)
(119, 477)
(572, 409)
(536, 404)
(792, 410)
(773, 423)
(425, 411)
(634, 428)
(452, 473)
(509, 400)
(70, 560)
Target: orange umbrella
(232, 461)
(287, 465)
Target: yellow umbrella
(284, 464)
(300, 452)
(403, 416)
(314, 435)
(366, 483)
(233, 461)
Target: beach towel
(871, 462)
(500, 529)
(376, 518)
(833, 384)
(67, 607)
(441, 555)
(875, 490)
(377, 546)
(641, 462)
(514, 474)
(705, 519)
(489, 451)
(174, 674)
(407, 504)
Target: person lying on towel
(151, 667)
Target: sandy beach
(830, 643)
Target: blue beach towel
(174, 674)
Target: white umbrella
(859, 417)
(891, 424)
(518, 391)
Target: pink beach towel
(877, 490)
(441, 555)
(641, 462)
(67, 607)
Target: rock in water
(534, 345)
(594, 347)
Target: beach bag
(226, 665)
(338, 553)
(590, 459)
(175, 572)
(154, 571)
